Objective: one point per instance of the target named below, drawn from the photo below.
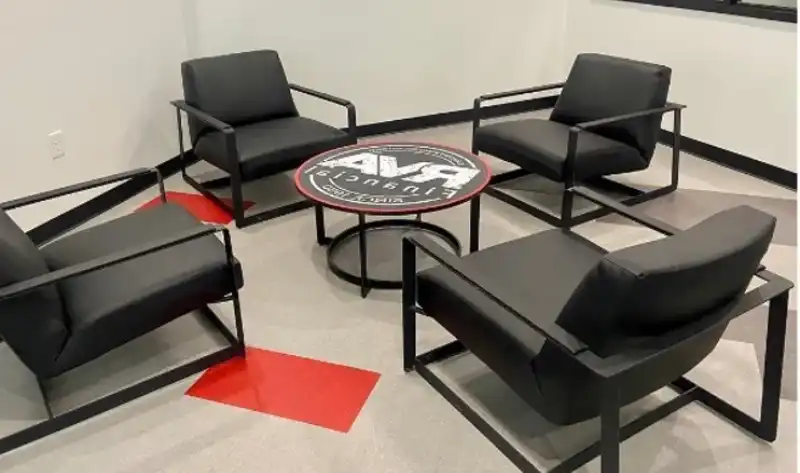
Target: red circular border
(405, 211)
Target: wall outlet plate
(57, 149)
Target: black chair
(80, 296)
(243, 121)
(578, 332)
(606, 121)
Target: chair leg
(237, 309)
(409, 255)
(567, 200)
(676, 149)
(237, 314)
(474, 224)
(773, 367)
(238, 201)
(609, 430)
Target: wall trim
(79, 215)
(732, 160)
(456, 116)
(728, 7)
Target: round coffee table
(391, 180)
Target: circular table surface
(392, 178)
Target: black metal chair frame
(612, 375)
(235, 342)
(235, 178)
(567, 219)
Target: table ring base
(362, 231)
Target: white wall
(737, 75)
(101, 71)
(393, 59)
(104, 72)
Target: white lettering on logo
(455, 177)
(388, 167)
(371, 164)
(367, 163)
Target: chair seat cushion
(540, 146)
(112, 306)
(273, 146)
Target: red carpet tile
(288, 386)
(202, 208)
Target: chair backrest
(237, 88)
(34, 325)
(650, 289)
(600, 86)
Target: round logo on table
(392, 178)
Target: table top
(392, 178)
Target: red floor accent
(202, 208)
(288, 386)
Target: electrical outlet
(57, 149)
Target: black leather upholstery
(112, 306)
(250, 92)
(634, 292)
(34, 325)
(601, 86)
(237, 88)
(540, 147)
(598, 86)
(540, 271)
(272, 146)
(619, 304)
(537, 273)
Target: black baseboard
(735, 161)
(454, 117)
(749, 9)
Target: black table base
(363, 229)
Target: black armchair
(243, 121)
(79, 297)
(606, 121)
(578, 332)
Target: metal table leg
(362, 254)
(319, 219)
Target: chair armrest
(22, 287)
(204, 117)
(555, 334)
(670, 107)
(514, 93)
(231, 146)
(320, 95)
(476, 109)
(83, 186)
(351, 108)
